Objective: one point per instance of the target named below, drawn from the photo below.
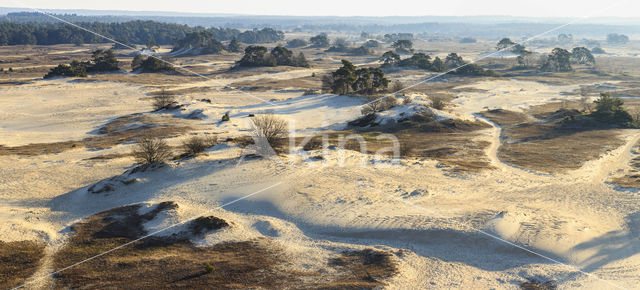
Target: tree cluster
(137, 32)
(349, 79)
(615, 38)
(403, 46)
(149, 64)
(391, 37)
(101, 61)
(560, 59)
(260, 56)
(202, 41)
(297, 42)
(320, 40)
(609, 110)
(423, 61)
(341, 45)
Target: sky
(530, 8)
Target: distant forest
(130, 32)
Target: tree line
(138, 32)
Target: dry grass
(118, 131)
(18, 261)
(454, 147)
(175, 262)
(549, 145)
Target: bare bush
(197, 144)
(271, 127)
(407, 100)
(437, 103)
(372, 107)
(151, 151)
(397, 86)
(389, 102)
(313, 144)
(163, 101)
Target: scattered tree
(271, 127)
(390, 58)
(565, 38)
(504, 43)
(468, 40)
(234, 45)
(200, 42)
(364, 80)
(73, 70)
(610, 110)
(320, 40)
(558, 61)
(279, 55)
(582, 55)
(403, 46)
(163, 100)
(297, 42)
(453, 60)
(371, 44)
(615, 38)
(151, 151)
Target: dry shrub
(389, 102)
(163, 101)
(313, 144)
(197, 144)
(379, 105)
(151, 151)
(271, 127)
(407, 100)
(397, 86)
(437, 103)
(310, 92)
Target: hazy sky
(538, 8)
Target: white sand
(320, 207)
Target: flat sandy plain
(462, 209)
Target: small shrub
(271, 127)
(389, 102)
(372, 107)
(310, 92)
(196, 144)
(225, 117)
(437, 103)
(407, 100)
(209, 268)
(313, 144)
(151, 151)
(163, 101)
(397, 86)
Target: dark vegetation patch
(536, 285)
(449, 141)
(175, 262)
(118, 131)
(18, 261)
(362, 269)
